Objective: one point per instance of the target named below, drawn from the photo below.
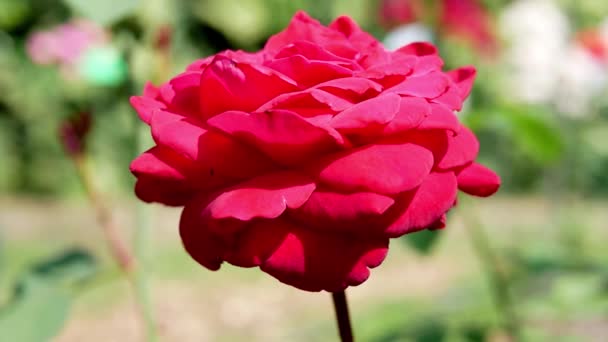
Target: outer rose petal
(419, 49)
(283, 135)
(163, 176)
(305, 258)
(451, 98)
(145, 106)
(478, 180)
(229, 85)
(388, 168)
(463, 78)
(353, 213)
(186, 137)
(422, 207)
(181, 94)
(304, 28)
(462, 149)
(203, 246)
(265, 196)
(177, 132)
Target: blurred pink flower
(397, 12)
(595, 42)
(65, 44)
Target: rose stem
(120, 251)
(495, 272)
(342, 316)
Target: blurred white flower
(537, 32)
(406, 34)
(582, 77)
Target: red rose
(306, 158)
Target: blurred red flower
(467, 20)
(306, 157)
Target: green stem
(496, 274)
(140, 244)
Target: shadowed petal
(422, 207)
(307, 259)
(265, 196)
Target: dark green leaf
(105, 12)
(71, 266)
(37, 312)
(475, 333)
(422, 241)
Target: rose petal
(283, 135)
(429, 85)
(451, 98)
(229, 85)
(463, 78)
(419, 49)
(388, 168)
(304, 28)
(308, 73)
(314, 52)
(440, 117)
(478, 180)
(181, 94)
(422, 207)
(145, 106)
(206, 248)
(368, 115)
(462, 148)
(177, 132)
(355, 85)
(207, 150)
(327, 210)
(412, 112)
(265, 196)
(306, 259)
(163, 176)
(307, 103)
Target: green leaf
(422, 241)
(69, 267)
(475, 332)
(37, 312)
(104, 12)
(536, 136)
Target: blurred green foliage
(524, 143)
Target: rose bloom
(305, 158)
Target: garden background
(532, 259)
